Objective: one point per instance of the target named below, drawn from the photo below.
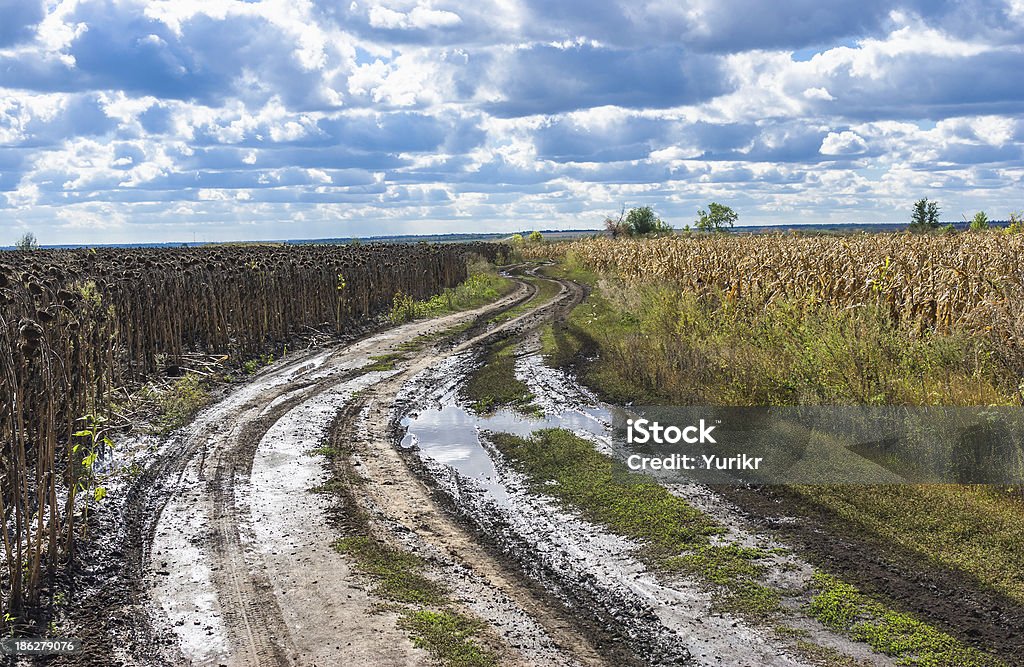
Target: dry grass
(972, 282)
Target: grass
(383, 362)
(675, 536)
(974, 529)
(399, 574)
(493, 385)
(546, 291)
(652, 345)
(842, 607)
(449, 637)
(483, 286)
(452, 638)
(250, 366)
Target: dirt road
(225, 551)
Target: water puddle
(670, 622)
(450, 436)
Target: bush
(535, 237)
(1016, 225)
(979, 222)
(27, 242)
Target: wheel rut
(236, 607)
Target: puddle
(450, 436)
(592, 570)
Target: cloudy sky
(168, 120)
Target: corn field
(77, 325)
(964, 281)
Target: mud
(217, 550)
(661, 622)
(951, 600)
(196, 472)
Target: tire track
(219, 451)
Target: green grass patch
(383, 362)
(842, 607)
(449, 637)
(546, 291)
(483, 286)
(675, 535)
(974, 529)
(493, 385)
(399, 574)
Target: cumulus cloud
(126, 120)
(843, 143)
(419, 18)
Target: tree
(925, 216)
(27, 242)
(516, 238)
(980, 222)
(717, 218)
(617, 227)
(535, 237)
(643, 220)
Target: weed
(494, 385)
(449, 637)
(179, 402)
(675, 535)
(841, 606)
(482, 286)
(93, 440)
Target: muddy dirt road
(226, 552)
(225, 546)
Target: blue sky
(168, 120)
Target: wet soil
(953, 601)
(217, 551)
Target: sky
(124, 121)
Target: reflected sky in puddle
(450, 436)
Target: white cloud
(393, 115)
(421, 17)
(818, 93)
(843, 143)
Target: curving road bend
(240, 569)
